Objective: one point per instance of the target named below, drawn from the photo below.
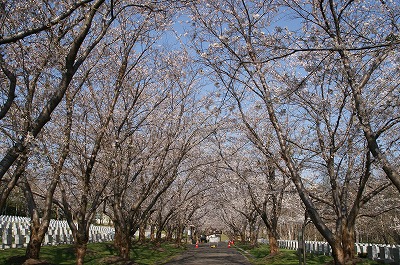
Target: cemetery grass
(97, 253)
(260, 256)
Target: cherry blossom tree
(83, 186)
(78, 38)
(239, 215)
(98, 108)
(38, 193)
(154, 144)
(379, 221)
(366, 59)
(40, 58)
(250, 160)
(177, 207)
(251, 60)
(35, 76)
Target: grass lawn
(260, 256)
(99, 253)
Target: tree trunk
(37, 230)
(157, 239)
(81, 238)
(35, 243)
(338, 254)
(243, 235)
(122, 242)
(169, 234)
(39, 226)
(80, 250)
(178, 238)
(142, 233)
(348, 241)
(273, 243)
(158, 235)
(253, 237)
(152, 232)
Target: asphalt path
(205, 254)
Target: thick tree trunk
(178, 238)
(34, 246)
(157, 239)
(243, 235)
(81, 238)
(142, 233)
(169, 234)
(152, 232)
(158, 235)
(80, 251)
(36, 231)
(39, 226)
(348, 242)
(122, 242)
(338, 254)
(273, 243)
(253, 237)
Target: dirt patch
(35, 262)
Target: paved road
(205, 254)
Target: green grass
(224, 238)
(260, 256)
(147, 254)
(99, 253)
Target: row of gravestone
(15, 232)
(389, 254)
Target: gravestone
(395, 254)
(7, 237)
(372, 251)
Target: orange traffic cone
(197, 245)
(229, 244)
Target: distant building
(214, 238)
